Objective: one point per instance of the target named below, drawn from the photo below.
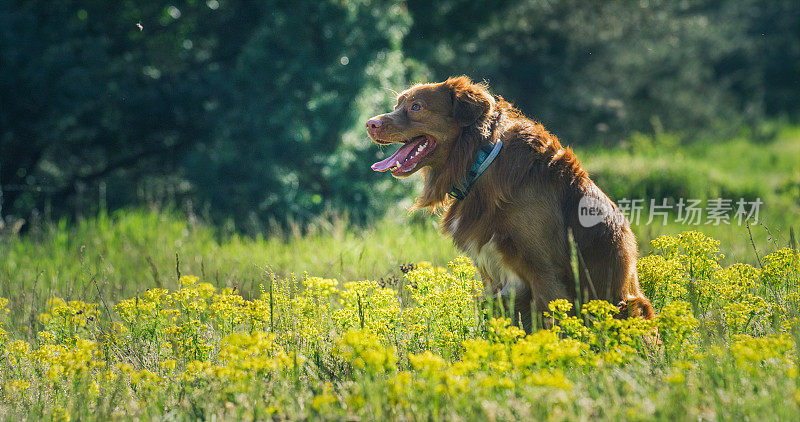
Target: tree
(291, 142)
(256, 109)
(601, 70)
(89, 98)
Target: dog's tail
(638, 306)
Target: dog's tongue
(398, 156)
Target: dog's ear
(471, 101)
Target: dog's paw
(623, 310)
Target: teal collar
(486, 155)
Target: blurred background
(251, 113)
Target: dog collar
(486, 155)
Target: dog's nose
(373, 123)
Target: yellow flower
(145, 379)
(188, 280)
(426, 362)
(94, 389)
(54, 372)
(501, 330)
(18, 348)
(60, 414)
(17, 386)
(124, 368)
(782, 267)
(363, 350)
(325, 399)
(675, 377)
(169, 365)
(196, 369)
(751, 352)
(399, 384)
(46, 337)
(550, 378)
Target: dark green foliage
(89, 99)
(253, 111)
(598, 70)
(290, 142)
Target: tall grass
(124, 253)
(659, 167)
(427, 346)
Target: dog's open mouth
(408, 156)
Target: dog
(511, 196)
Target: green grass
(424, 347)
(125, 253)
(659, 167)
(730, 337)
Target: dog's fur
(514, 222)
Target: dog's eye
(416, 107)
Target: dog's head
(428, 122)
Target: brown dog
(510, 193)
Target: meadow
(153, 314)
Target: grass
(255, 336)
(426, 346)
(127, 252)
(660, 167)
